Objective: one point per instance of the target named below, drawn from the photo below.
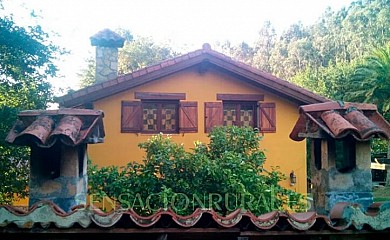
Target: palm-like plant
(371, 80)
(371, 83)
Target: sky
(183, 24)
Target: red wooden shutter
(188, 117)
(267, 117)
(213, 115)
(131, 117)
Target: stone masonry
(330, 186)
(340, 134)
(107, 43)
(58, 159)
(106, 63)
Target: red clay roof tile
(70, 126)
(341, 119)
(342, 217)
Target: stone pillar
(106, 63)
(59, 174)
(58, 159)
(107, 43)
(331, 186)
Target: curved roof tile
(340, 119)
(46, 214)
(70, 126)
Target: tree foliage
(321, 56)
(242, 52)
(371, 80)
(332, 57)
(228, 173)
(264, 46)
(330, 82)
(26, 61)
(142, 52)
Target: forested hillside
(322, 56)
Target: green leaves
(142, 52)
(371, 80)
(26, 61)
(225, 174)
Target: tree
(286, 56)
(26, 62)
(370, 83)
(263, 47)
(328, 81)
(371, 80)
(87, 74)
(142, 52)
(228, 173)
(242, 52)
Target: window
(240, 110)
(240, 114)
(159, 112)
(160, 116)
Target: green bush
(224, 175)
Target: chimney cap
(107, 38)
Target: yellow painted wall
(120, 148)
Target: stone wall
(60, 178)
(106, 63)
(330, 186)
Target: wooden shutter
(131, 117)
(213, 115)
(188, 117)
(267, 117)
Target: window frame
(238, 105)
(132, 113)
(159, 119)
(265, 113)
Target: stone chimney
(107, 43)
(58, 162)
(340, 135)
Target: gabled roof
(45, 127)
(340, 119)
(205, 57)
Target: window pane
(246, 115)
(229, 114)
(149, 117)
(168, 117)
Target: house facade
(189, 95)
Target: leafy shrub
(224, 175)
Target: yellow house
(188, 95)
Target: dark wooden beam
(159, 96)
(240, 97)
